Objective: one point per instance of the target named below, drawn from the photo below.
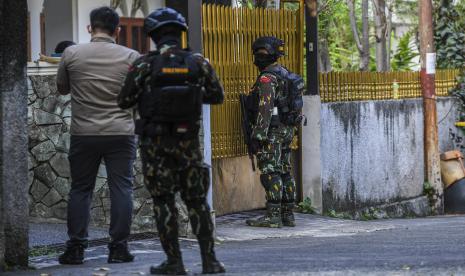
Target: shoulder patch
(265, 79)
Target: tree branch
(353, 25)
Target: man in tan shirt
(93, 73)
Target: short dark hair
(104, 19)
(60, 48)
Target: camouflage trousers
(171, 166)
(274, 162)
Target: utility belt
(180, 130)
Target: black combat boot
(272, 218)
(287, 214)
(210, 265)
(174, 264)
(169, 267)
(74, 255)
(119, 253)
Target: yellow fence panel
(364, 86)
(228, 34)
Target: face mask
(263, 60)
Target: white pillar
(35, 8)
(311, 153)
(207, 149)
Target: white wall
(372, 151)
(68, 20)
(84, 7)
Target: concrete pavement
(317, 246)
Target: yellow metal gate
(228, 34)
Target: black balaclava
(262, 60)
(170, 39)
(170, 35)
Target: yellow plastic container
(452, 168)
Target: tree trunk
(13, 132)
(362, 43)
(388, 37)
(379, 15)
(324, 62)
(365, 54)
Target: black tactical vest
(171, 103)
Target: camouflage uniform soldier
(271, 137)
(169, 87)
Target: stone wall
(372, 152)
(49, 117)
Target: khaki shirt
(94, 73)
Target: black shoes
(287, 214)
(271, 219)
(210, 265)
(74, 255)
(174, 267)
(119, 254)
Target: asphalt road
(431, 246)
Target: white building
(52, 21)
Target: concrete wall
(2, 219)
(235, 186)
(372, 152)
(13, 136)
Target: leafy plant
(405, 53)
(459, 93)
(370, 214)
(306, 206)
(42, 251)
(430, 192)
(332, 213)
(449, 36)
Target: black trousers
(85, 156)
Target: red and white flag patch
(265, 79)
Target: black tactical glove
(255, 145)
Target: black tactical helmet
(273, 45)
(162, 17)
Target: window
(132, 35)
